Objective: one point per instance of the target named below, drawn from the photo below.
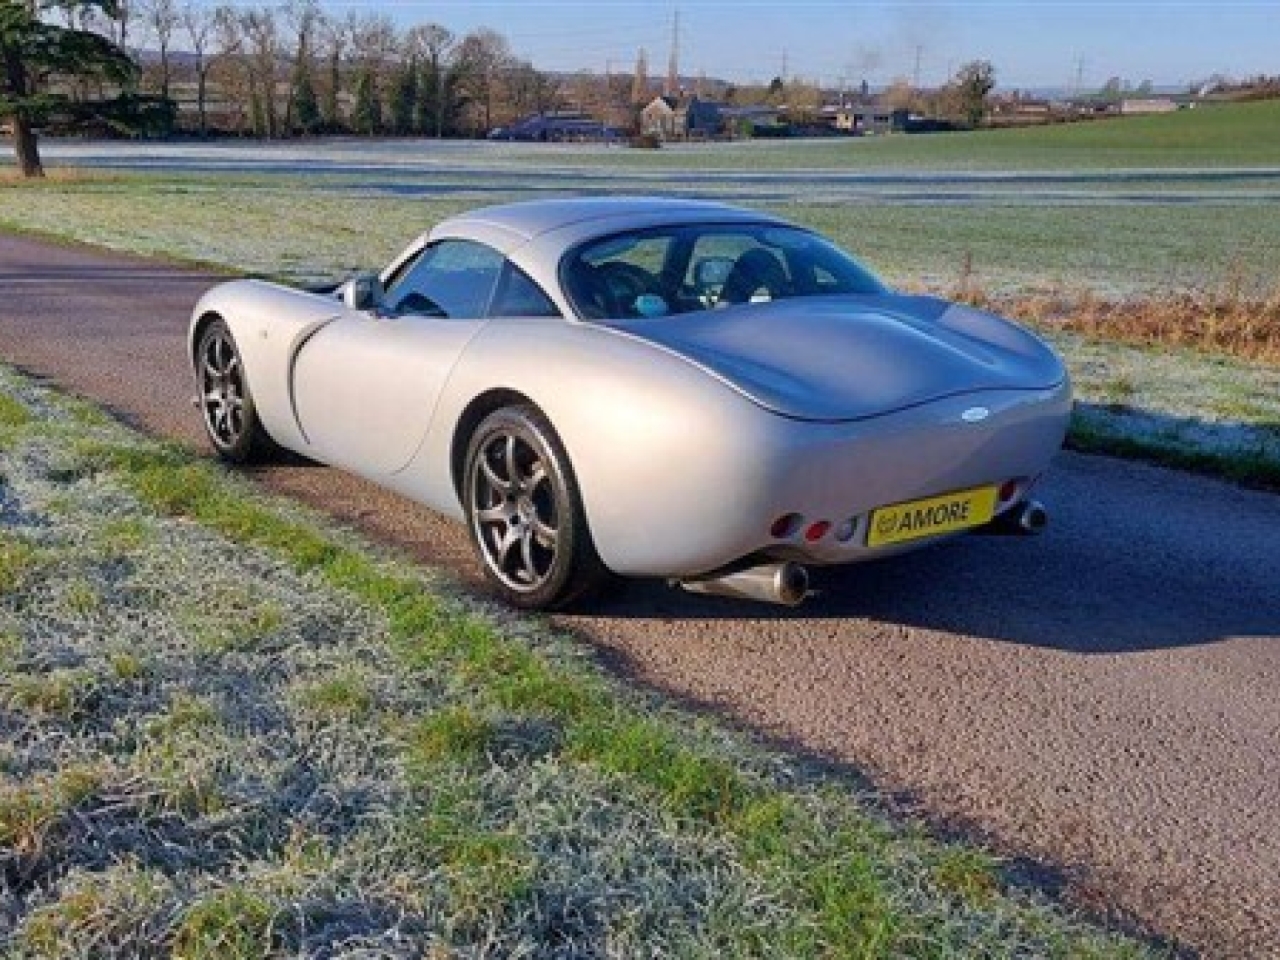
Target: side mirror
(363, 292)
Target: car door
(365, 386)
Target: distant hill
(1210, 135)
(1208, 126)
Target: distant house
(748, 121)
(865, 120)
(1148, 105)
(1028, 107)
(658, 118)
(1092, 106)
(682, 118)
(700, 119)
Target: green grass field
(1214, 136)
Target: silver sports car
(643, 388)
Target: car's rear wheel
(226, 405)
(525, 512)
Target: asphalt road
(1105, 698)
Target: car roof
(530, 219)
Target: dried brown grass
(12, 176)
(1237, 314)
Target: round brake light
(786, 526)
(817, 531)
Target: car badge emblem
(975, 415)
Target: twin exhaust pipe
(787, 582)
(1026, 519)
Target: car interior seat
(754, 272)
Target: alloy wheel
(514, 512)
(222, 389)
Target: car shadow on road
(1104, 579)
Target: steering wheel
(622, 284)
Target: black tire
(525, 514)
(226, 405)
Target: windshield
(664, 271)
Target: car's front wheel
(226, 405)
(525, 512)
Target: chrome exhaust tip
(1025, 519)
(785, 583)
(1033, 517)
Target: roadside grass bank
(1175, 407)
(1174, 348)
(1191, 382)
(233, 730)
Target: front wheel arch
(197, 334)
(223, 394)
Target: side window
(621, 277)
(647, 253)
(519, 296)
(453, 279)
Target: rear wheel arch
(524, 509)
(474, 414)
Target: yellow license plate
(928, 518)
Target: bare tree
(335, 36)
(198, 24)
(230, 69)
(481, 57)
(115, 24)
(804, 100)
(262, 39)
(640, 92)
(374, 42)
(303, 110)
(528, 89)
(436, 90)
(583, 92)
(161, 18)
(900, 95)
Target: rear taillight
(785, 527)
(817, 530)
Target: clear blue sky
(1035, 43)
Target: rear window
(667, 271)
